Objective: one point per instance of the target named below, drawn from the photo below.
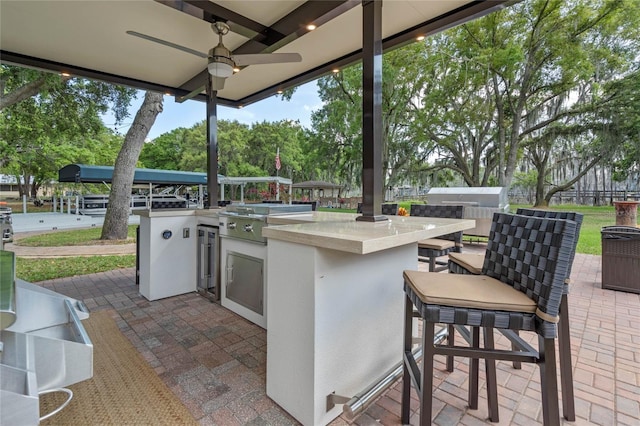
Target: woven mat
(124, 390)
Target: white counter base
(335, 323)
(168, 265)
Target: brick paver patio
(214, 360)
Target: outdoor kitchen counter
(340, 231)
(167, 250)
(335, 304)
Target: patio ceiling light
(311, 27)
(220, 69)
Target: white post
(277, 188)
(77, 205)
(69, 205)
(24, 203)
(200, 196)
(54, 203)
(150, 195)
(61, 204)
(242, 192)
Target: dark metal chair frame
(528, 253)
(442, 211)
(564, 336)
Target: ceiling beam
(60, 68)
(294, 24)
(211, 12)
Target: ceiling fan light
(220, 69)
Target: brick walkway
(215, 361)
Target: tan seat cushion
(471, 291)
(436, 244)
(472, 262)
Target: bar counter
(335, 304)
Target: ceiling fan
(222, 62)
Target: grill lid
(496, 197)
(266, 209)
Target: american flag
(278, 165)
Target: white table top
(340, 231)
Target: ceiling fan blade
(266, 58)
(217, 83)
(167, 43)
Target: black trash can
(621, 258)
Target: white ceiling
(91, 35)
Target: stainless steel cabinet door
(245, 281)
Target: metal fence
(587, 198)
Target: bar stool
(520, 288)
(468, 263)
(430, 249)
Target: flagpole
(277, 172)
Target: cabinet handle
(229, 275)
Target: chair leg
(432, 264)
(548, 382)
(474, 366)
(492, 382)
(450, 342)
(406, 377)
(566, 369)
(426, 387)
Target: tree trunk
(35, 186)
(542, 172)
(116, 219)
(28, 90)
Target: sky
(174, 115)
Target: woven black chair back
(390, 209)
(440, 210)
(576, 217)
(532, 255)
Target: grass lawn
(76, 237)
(34, 270)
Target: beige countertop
(178, 212)
(340, 231)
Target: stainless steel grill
(245, 221)
(480, 204)
(243, 254)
